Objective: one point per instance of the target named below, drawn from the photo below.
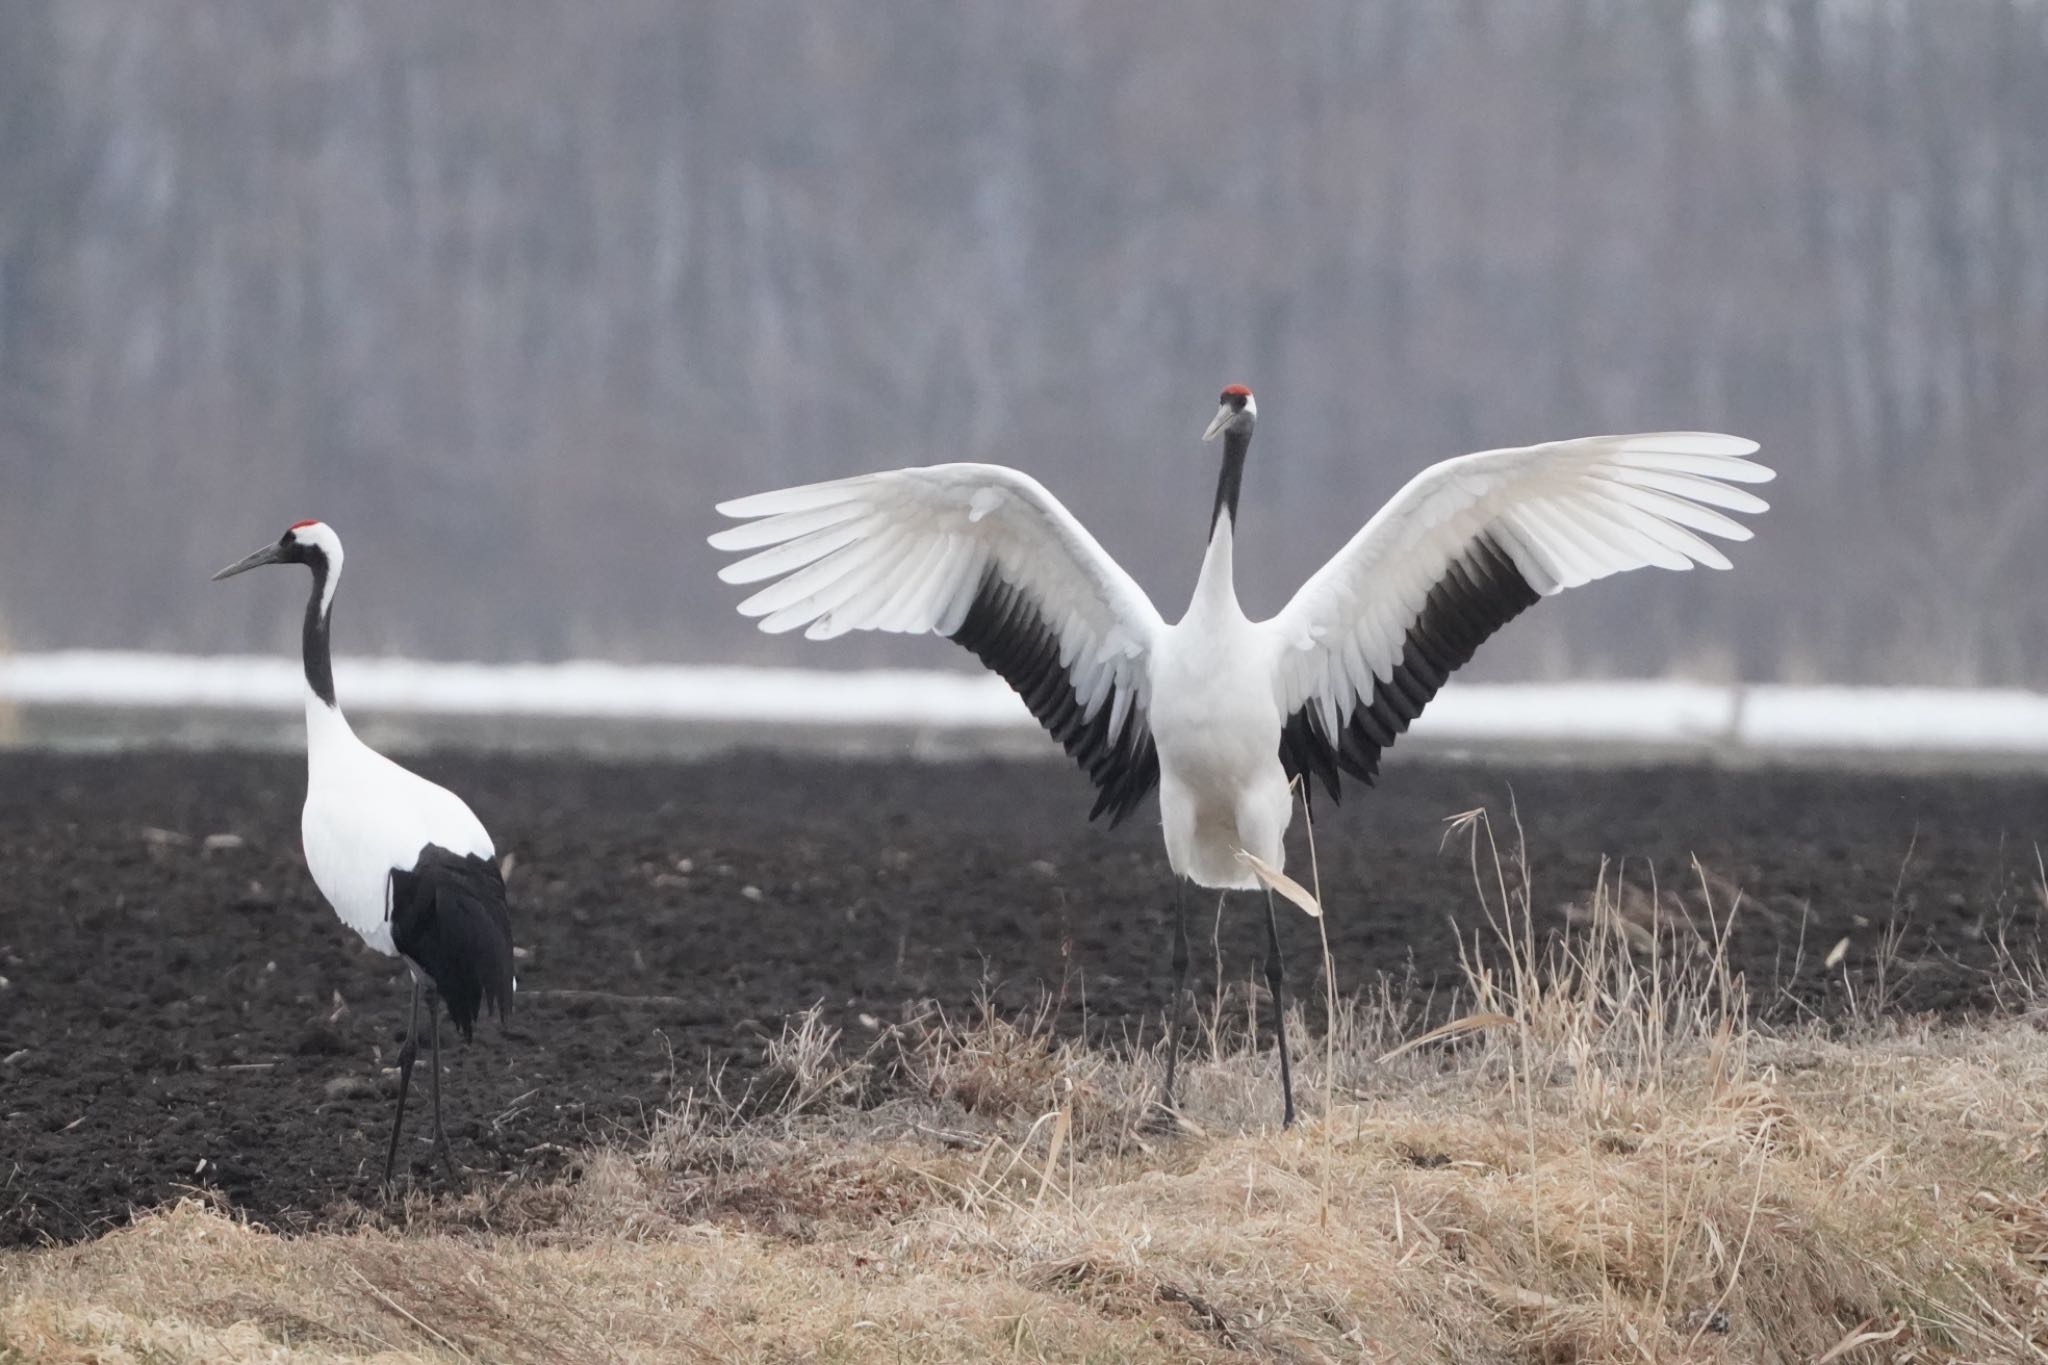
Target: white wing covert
(365, 818)
(1467, 546)
(985, 556)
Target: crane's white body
(366, 817)
(921, 549)
(1214, 715)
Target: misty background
(511, 292)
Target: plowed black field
(181, 1009)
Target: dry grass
(1603, 1161)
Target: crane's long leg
(1276, 984)
(434, 1077)
(1176, 1006)
(406, 1056)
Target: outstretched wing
(1466, 547)
(984, 556)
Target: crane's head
(312, 543)
(1236, 411)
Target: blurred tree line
(512, 291)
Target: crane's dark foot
(1165, 1116)
(1276, 985)
(1286, 1064)
(407, 1055)
(1168, 1104)
(446, 1151)
(434, 1076)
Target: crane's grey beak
(269, 554)
(1224, 412)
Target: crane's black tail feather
(450, 918)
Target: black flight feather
(1006, 630)
(449, 917)
(1480, 592)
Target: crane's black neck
(1236, 441)
(313, 639)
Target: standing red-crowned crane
(1218, 711)
(404, 862)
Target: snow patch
(1764, 717)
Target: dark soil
(178, 1013)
